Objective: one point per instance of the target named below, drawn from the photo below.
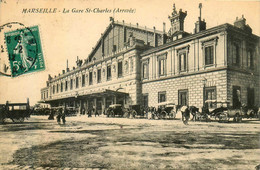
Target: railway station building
(132, 65)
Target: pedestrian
(96, 112)
(63, 115)
(185, 114)
(51, 116)
(59, 115)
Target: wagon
(225, 113)
(115, 110)
(166, 110)
(135, 111)
(17, 112)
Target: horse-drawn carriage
(134, 111)
(115, 110)
(166, 110)
(224, 112)
(17, 112)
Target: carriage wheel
(134, 113)
(2, 120)
(173, 114)
(15, 120)
(21, 119)
(223, 117)
(237, 118)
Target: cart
(166, 110)
(115, 110)
(17, 112)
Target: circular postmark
(19, 49)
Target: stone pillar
(95, 104)
(103, 104)
(80, 106)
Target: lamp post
(204, 90)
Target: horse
(185, 112)
(194, 110)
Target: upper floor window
(236, 54)
(162, 96)
(120, 69)
(77, 82)
(145, 70)
(182, 62)
(209, 51)
(53, 89)
(47, 94)
(99, 75)
(61, 87)
(83, 80)
(66, 85)
(71, 84)
(162, 64)
(57, 88)
(109, 72)
(250, 59)
(90, 78)
(209, 55)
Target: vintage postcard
(118, 84)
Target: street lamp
(204, 90)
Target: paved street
(120, 143)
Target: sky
(68, 35)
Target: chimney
(200, 25)
(241, 23)
(164, 27)
(67, 68)
(155, 38)
(164, 36)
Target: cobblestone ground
(119, 143)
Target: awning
(80, 95)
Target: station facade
(132, 65)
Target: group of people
(61, 114)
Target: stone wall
(244, 81)
(193, 83)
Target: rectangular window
(42, 96)
(145, 100)
(250, 97)
(57, 88)
(162, 66)
(83, 80)
(236, 54)
(210, 97)
(90, 78)
(145, 71)
(71, 84)
(182, 62)
(209, 55)
(99, 75)
(161, 96)
(183, 97)
(47, 94)
(250, 59)
(109, 72)
(77, 82)
(61, 87)
(66, 85)
(120, 69)
(236, 97)
(53, 89)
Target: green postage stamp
(24, 51)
